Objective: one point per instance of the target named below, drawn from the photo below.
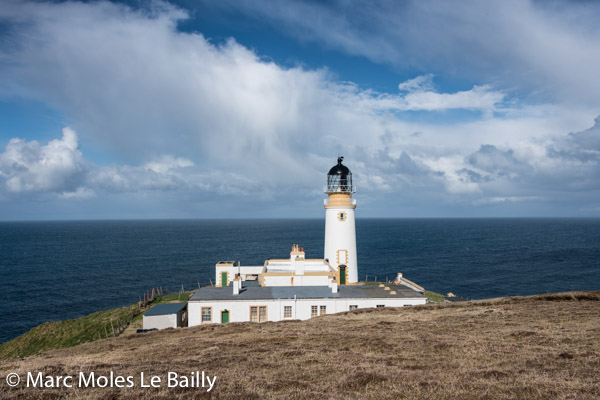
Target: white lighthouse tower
(340, 231)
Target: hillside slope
(537, 347)
(71, 332)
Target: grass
(71, 332)
(434, 297)
(68, 333)
(537, 347)
(173, 298)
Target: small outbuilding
(163, 316)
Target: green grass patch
(71, 332)
(434, 297)
(173, 298)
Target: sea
(55, 270)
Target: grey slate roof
(303, 292)
(165, 309)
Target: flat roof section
(304, 292)
(165, 309)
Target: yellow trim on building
(278, 274)
(340, 200)
(316, 274)
(220, 278)
(338, 257)
(292, 273)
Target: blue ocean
(59, 270)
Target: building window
(206, 315)
(380, 305)
(262, 314)
(353, 307)
(287, 312)
(314, 311)
(317, 310)
(258, 313)
(342, 216)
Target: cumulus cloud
(56, 167)
(183, 113)
(580, 146)
(60, 168)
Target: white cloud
(167, 163)
(30, 167)
(420, 83)
(188, 115)
(548, 49)
(510, 199)
(478, 98)
(60, 168)
(79, 193)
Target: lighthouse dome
(339, 178)
(339, 169)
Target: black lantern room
(339, 179)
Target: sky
(237, 109)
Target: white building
(301, 288)
(163, 316)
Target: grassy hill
(538, 347)
(71, 332)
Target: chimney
(237, 285)
(398, 278)
(334, 287)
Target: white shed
(162, 316)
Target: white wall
(299, 280)
(232, 270)
(239, 310)
(160, 321)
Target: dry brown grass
(541, 347)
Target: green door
(224, 316)
(342, 274)
(223, 279)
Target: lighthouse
(340, 231)
(299, 287)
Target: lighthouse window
(342, 216)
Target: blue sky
(203, 109)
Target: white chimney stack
(334, 287)
(398, 278)
(237, 285)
